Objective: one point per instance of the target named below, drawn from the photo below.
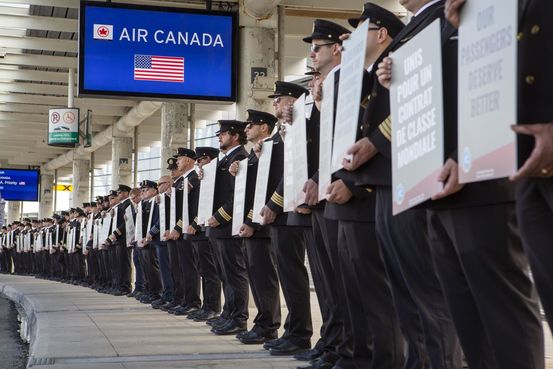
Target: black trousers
(262, 273)
(322, 254)
(403, 240)
(176, 271)
(211, 283)
(230, 252)
(217, 259)
(479, 258)
(107, 268)
(150, 267)
(115, 269)
(370, 314)
(190, 275)
(124, 266)
(535, 217)
(289, 245)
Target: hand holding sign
(384, 72)
(540, 162)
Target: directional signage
(146, 51)
(19, 185)
(63, 127)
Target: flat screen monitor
(19, 185)
(155, 52)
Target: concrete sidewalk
(76, 327)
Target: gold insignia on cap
(275, 87)
(289, 93)
(329, 36)
(313, 30)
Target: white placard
(325, 142)
(90, 226)
(349, 94)
(173, 215)
(138, 226)
(185, 215)
(288, 188)
(162, 218)
(487, 90)
(416, 106)
(150, 216)
(114, 219)
(129, 224)
(239, 197)
(105, 228)
(262, 180)
(50, 245)
(295, 158)
(95, 234)
(207, 192)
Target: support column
(2, 211)
(14, 211)
(81, 182)
(174, 130)
(257, 54)
(121, 156)
(46, 205)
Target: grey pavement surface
(78, 328)
(13, 352)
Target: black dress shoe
(319, 364)
(120, 293)
(181, 310)
(190, 309)
(220, 324)
(206, 315)
(309, 355)
(288, 348)
(255, 338)
(215, 320)
(168, 305)
(158, 303)
(233, 327)
(272, 343)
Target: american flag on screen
(159, 68)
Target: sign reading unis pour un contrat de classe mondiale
(143, 51)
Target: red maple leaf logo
(103, 31)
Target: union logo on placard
(467, 160)
(400, 193)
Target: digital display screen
(19, 185)
(144, 51)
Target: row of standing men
(416, 290)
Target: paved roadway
(13, 353)
(78, 328)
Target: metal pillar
(81, 182)
(174, 130)
(46, 205)
(14, 211)
(121, 165)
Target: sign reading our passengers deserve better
(487, 90)
(159, 52)
(416, 105)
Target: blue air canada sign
(143, 51)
